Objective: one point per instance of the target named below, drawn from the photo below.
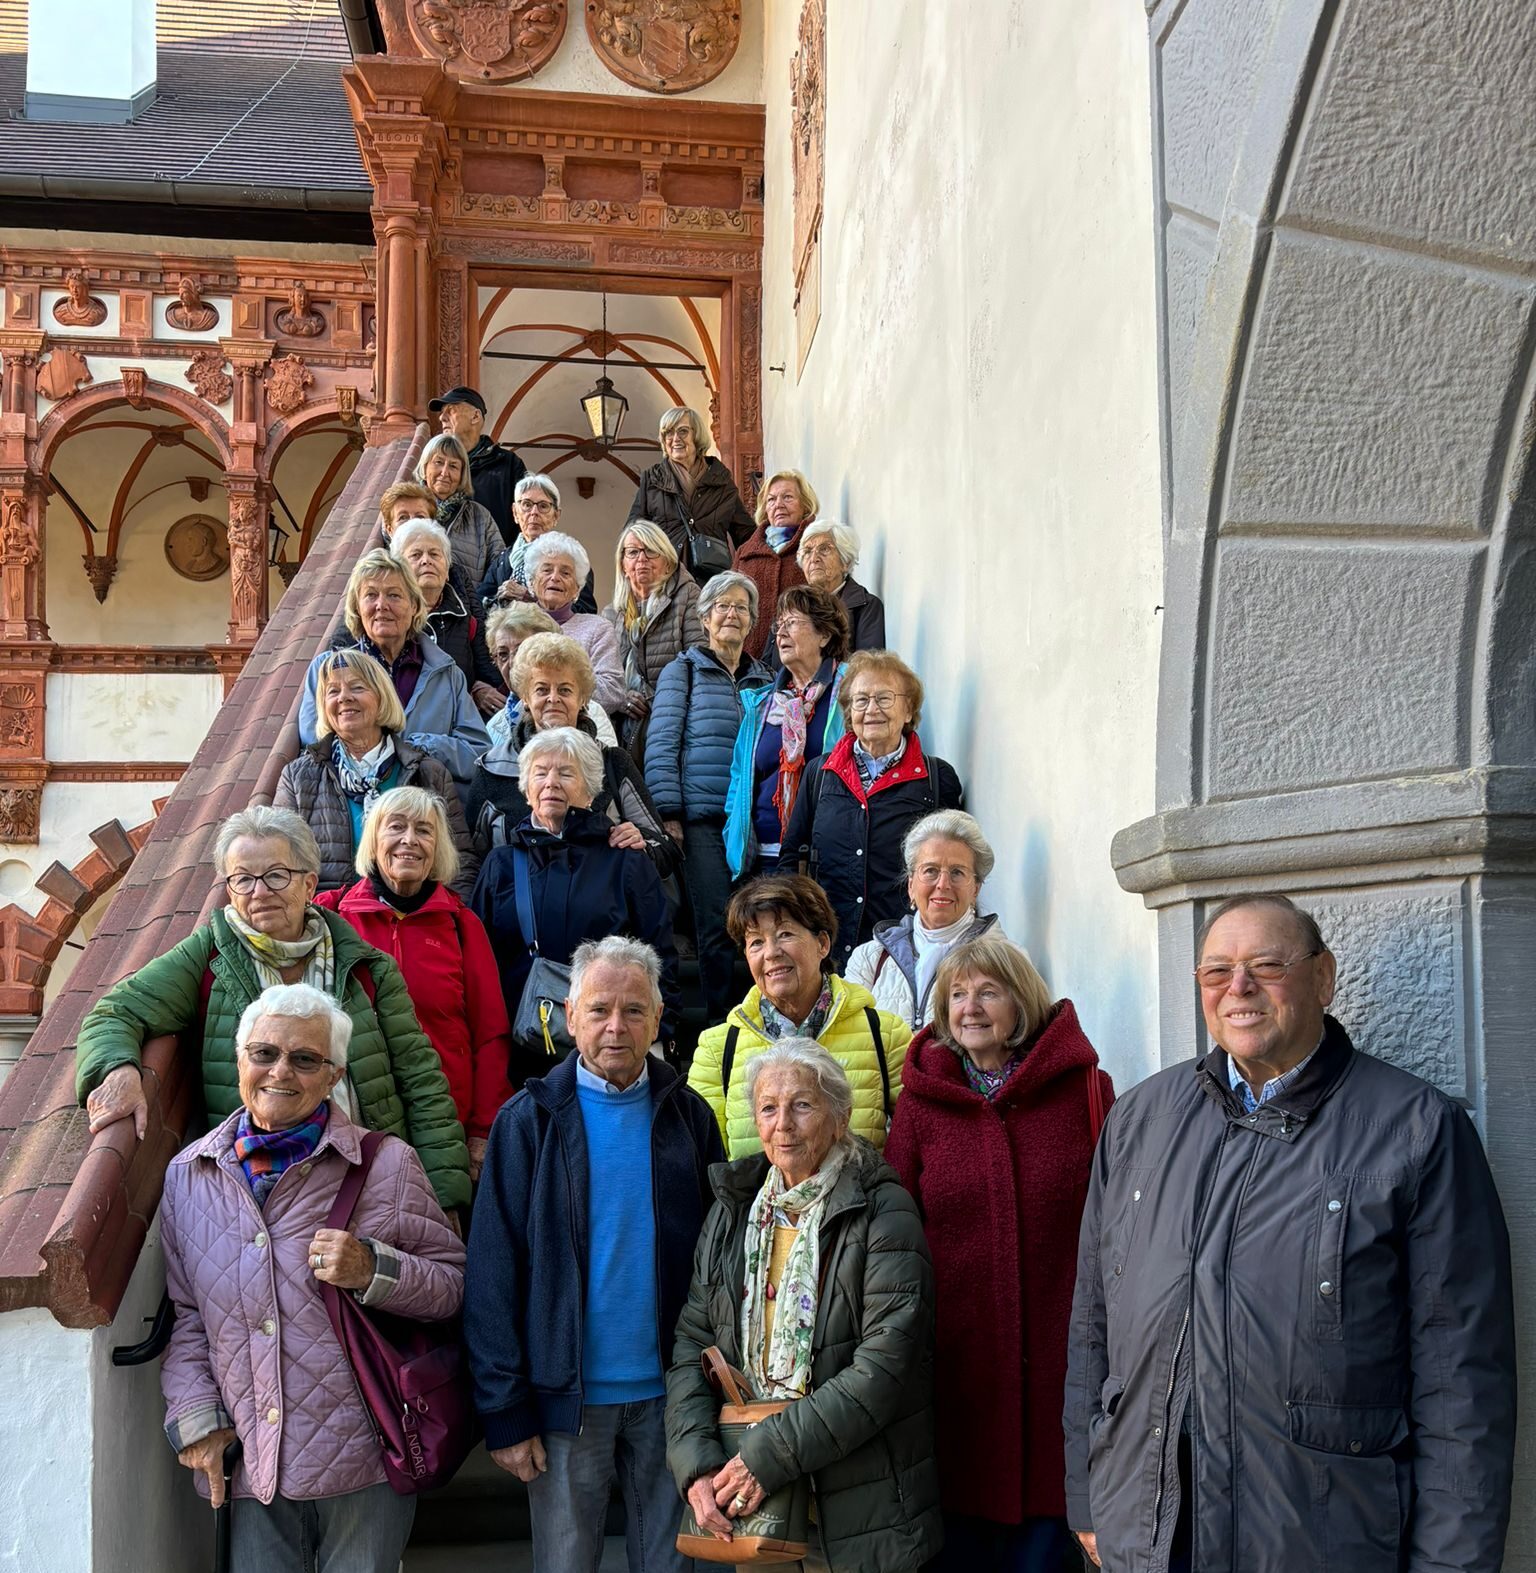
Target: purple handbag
(411, 1374)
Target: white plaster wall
(980, 402)
(130, 715)
(91, 48)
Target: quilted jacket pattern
(394, 1070)
(252, 1340)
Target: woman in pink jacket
(246, 1250)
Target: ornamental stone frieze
(664, 46)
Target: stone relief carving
(808, 127)
(63, 373)
(101, 571)
(489, 40)
(248, 564)
(18, 717)
(450, 327)
(136, 387)
(19, 811)
(79, 308)
(477, 204)
(664, 46)
(722, 220)
(195, 548)
(749, 336)
(190, 312)
(287, 378)
(206, 373)
(299, 319)
(604, 212)
(17, 544)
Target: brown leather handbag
(779, 1531)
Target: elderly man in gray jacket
(1293, 1332)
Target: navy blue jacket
(694, 721)
(581, 889)
(525, 1279)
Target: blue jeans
(569, 1501)
(358, 1532)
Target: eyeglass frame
(1248, 967)
(321, 1060)
(228, 880)
(861, 704)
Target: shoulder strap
(873, 1017)
(728, 1058)
(885, 956)
(352, 1186)
(524, 892)
(1095, 1104)
(205, 993)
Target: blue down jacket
(694, 721)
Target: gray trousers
(359, 1532)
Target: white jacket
(887, 967)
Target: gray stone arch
(1346, 243)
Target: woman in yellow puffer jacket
(786, 927)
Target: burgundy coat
(1001, 1187)
(773, 573)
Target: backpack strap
(1095, 1104)
(728, 1058)
(523, 890)
(352, 1186)
(873, 1017)
(885, 956)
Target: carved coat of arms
(489, 40)
(287, 378)
(664, 46)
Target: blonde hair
(378, 564)
(656, 538)
(523, 619)
(808, 498)
(681, 415)
(404, 491)
(1003, 962)
(391, 711)
(556, 651)
(446, 442)
(418, 803)
(867, 662)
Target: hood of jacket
(582, 827)
(933, 1069)
(750, 672)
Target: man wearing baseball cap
(493, 470)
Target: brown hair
(866, 662)
(827, 616)
(404, 491)
(1003, 962)
(779, 896)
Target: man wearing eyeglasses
(1293, 1330)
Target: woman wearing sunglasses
(272, 933)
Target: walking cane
(221, 1520)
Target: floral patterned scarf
(791, 710)
(785, 1371)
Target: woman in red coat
(403, 906)
(993, 1134)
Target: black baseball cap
(458, 396)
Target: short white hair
(804, 1054)
(949, 824)
(844, 537)
(305, 1002)
(409, 529)
(556, 543)
(615, 951)
(574, 744)
(537, 483)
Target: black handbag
(539, 1024)
(707, 554)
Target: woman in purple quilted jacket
(243, 1221)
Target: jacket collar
(736, 1183)
(407, 753)
(556, 1090)
(912, 766)
(360, 897)
(934, 1070)
(451, 603)
(853, 594)
(501, 758)
(581, 825)
(748, 670)
(1302, 1099)
(845, 996)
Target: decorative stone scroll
(664, 46)
(488, 40)
(79, 308)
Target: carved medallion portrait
(489, 40)
(196, 547)
(664, 46)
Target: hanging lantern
(605, 407)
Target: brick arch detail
(30, 943)
(63, 420)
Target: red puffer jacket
(450, 974)
(1001, 1187)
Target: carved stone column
(21, 557)
(247, 565)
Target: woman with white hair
(813, 1278)
(253, 1354)
(557, 565)
(444, 470)
(692, 496)
(577, 885)
(655, 615)
(947, 861)
(827, 554)
(403, 903)
(385, 613)
(455, 617)
(536, 510)
(272, 932)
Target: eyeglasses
(1219, 974)
(794, 623)
(273, 879)
(265, 1055)
(881, 702)
(732, 608)
(635, 553)
(530, 506)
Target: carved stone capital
(101, 571)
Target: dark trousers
(709, 888)
(1038, 1545)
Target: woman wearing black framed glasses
(270, 933)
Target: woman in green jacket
(271, 933)
(812, 1276)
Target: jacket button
(1335, 1206)
(1118, 1269)
(269, 1327)
(1157, 1430)
(260, 1239)
(272, 1417)
(1354, 1447)
(859, 899)
(303, 1168)
(1325, 1287)
(1136, 1196)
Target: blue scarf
(265, 1154)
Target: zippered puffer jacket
(851, 839)
(457, 625)
(445, 957)
(1325, 1285)
(845, 1036)
(673, 628)
(394, 1070)
(864, 1433)
(694, 721)
(887, 966)
(715, 509)
(252, 1338)
(310, 785)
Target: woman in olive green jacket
(812, 1276)
(270, 933)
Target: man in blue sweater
(591, 1200)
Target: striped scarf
(314, 948)
(264, 1155)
